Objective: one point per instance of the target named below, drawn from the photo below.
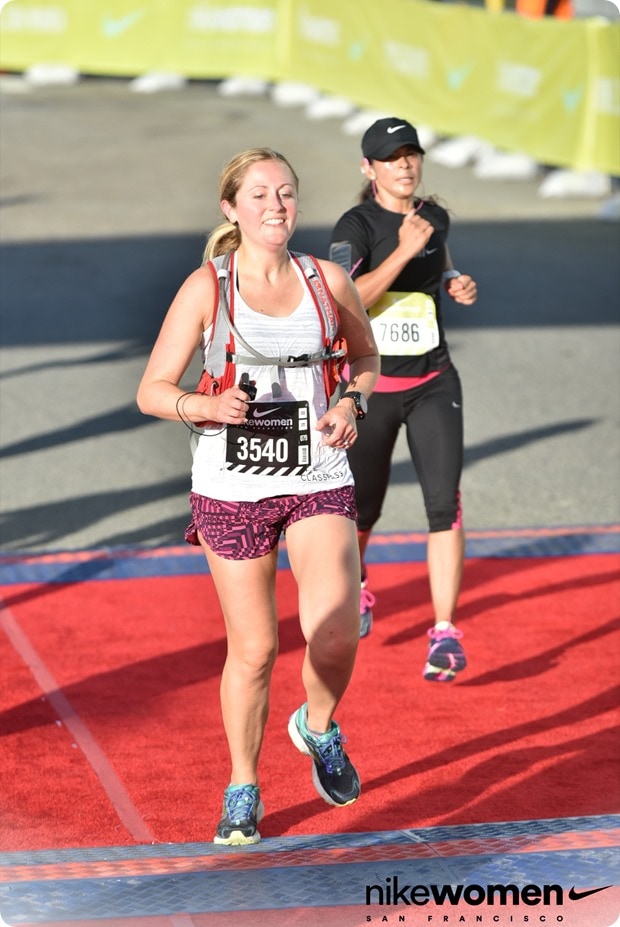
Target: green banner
(546, 88)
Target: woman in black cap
(393, 244)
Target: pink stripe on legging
(458, 521)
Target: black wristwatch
(360, 401)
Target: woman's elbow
(143, 400)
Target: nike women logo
(574, 895)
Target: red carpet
(128, 746)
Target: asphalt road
(107, 196)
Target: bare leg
(445, 557)
(363, 537)
(328, 583)
(246, 590)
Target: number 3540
(258, 449)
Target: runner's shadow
(145, 681)
(541, 663)
(504, 784)
(447, 801)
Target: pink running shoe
(367, 600)
(446, 656)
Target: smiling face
(265, 203)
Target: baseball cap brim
(385, 136)
(385, 151)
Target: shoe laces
(367, 599)
(449, 633)
(331, 752)
(240, 802)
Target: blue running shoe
(446, 656)
(334, 776)
(242, 809)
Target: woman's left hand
(462, 289)
(339, 427)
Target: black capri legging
(433, 416)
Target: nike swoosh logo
(577, 896)
(458, 76)
(394, 129)
(572, 99)
(258, 414)
(112, 27)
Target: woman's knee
(335, 642)
(254, 659)
(446, 514)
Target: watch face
(361, 403)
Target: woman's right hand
(230, 407)
(414, 233)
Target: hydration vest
(226, 345)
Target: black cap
(385, 136)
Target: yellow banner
(194, 38)
(546, 88)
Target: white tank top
(279, 451)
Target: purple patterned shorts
(247, 530)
